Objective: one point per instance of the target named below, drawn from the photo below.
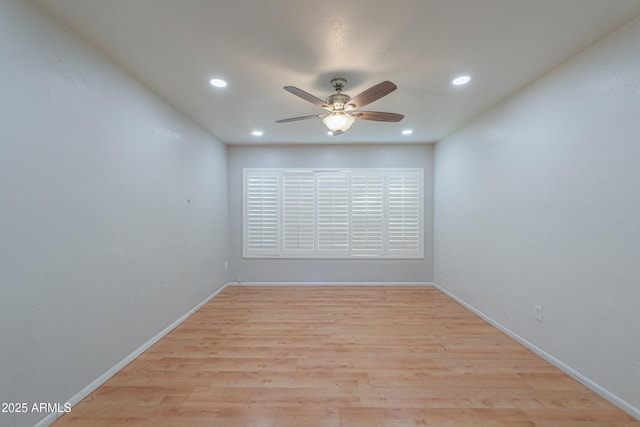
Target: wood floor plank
(340, 357)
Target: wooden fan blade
(378, 116)
(373, 94)
(306, 96)
(295, 119)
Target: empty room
(301, 213)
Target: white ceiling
(175, 47)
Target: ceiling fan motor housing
(338, 101)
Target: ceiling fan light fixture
(338, 121)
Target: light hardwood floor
(337, 357)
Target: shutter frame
(333, 208)
(261, 225)
(405, 213)
(367, 214)
(298, 213)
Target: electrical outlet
(538, 313)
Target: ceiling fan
(342, 109)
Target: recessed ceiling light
(218, 83)
(257, 133)
(461, 80)
(407, 132)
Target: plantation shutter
(322, 213)
(367, 214)
(333, 213)
(261, 232)
(298, 212)
(404, 213)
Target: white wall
(112, 212)
(537, 201)
(327, 270)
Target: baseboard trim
(621, 403)
(78, 397)
(332, 283)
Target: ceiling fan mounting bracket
(338, 83)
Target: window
(323, 213)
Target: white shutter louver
(333, 213)
(404, 213)
(261, 213)
(298, 212)
(367, 220)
